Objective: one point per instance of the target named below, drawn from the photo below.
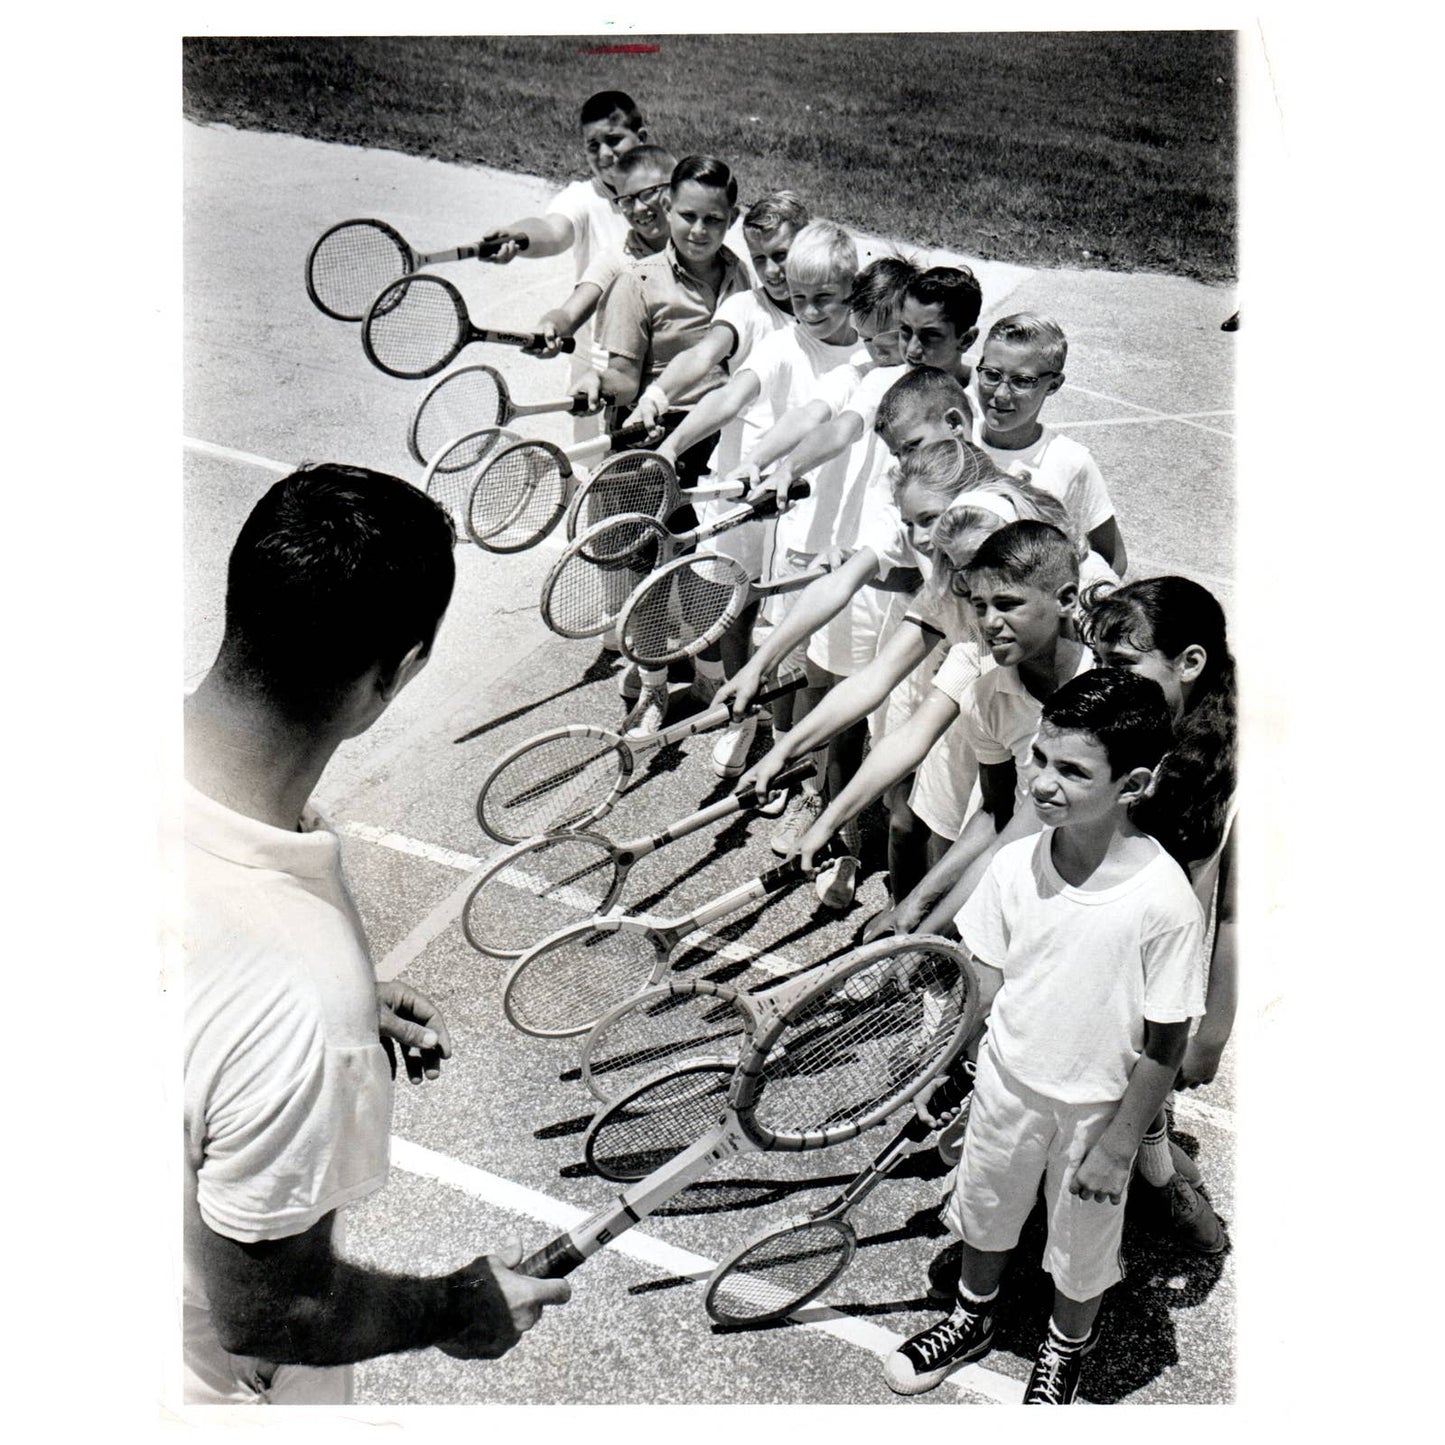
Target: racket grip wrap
(553, 1260)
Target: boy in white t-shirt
(1089, 944)
(1021, 367)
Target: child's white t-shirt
(1082, 969)
(752, 318)
(1056, 464)
(597, 225)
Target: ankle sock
(1156, 1163)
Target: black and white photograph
(710, 727)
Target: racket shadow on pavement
(602, 668)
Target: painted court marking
(637, 1244)
(1154, 412)
(230, 454)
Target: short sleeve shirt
(597, 226)
(657, 310)
(1083, 969)
(606, 267)
(752, 316)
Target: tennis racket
(523, 491)
(547, 883)
(563, 985)
(571, 776)
(780, 1269)
(355, 260)
(689, 604)
(583, 594)
(658, 1120)
(826, 1060)
(419, 325)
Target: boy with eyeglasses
(1021, 367)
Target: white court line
(648, 1249)
(435, 923)
(1153, 411)
(230, 454)
(1068, 426)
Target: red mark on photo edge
(622, 50)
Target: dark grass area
(1114, 150)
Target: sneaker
(730, 752)
(1054, 1379)
(1184, 1165)
(836, 884)
(1182, 1211)
(804, 809)
(629, 682)
(648, 713)
(935, 1353)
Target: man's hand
(525, 1297)
(1102, 1176)
(1201, 1064)
(413, 1021)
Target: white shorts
(945, 787)
(1014, 1138)
(748, 544)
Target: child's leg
(907, 842)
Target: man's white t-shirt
(1083, 969)
(287, 1089)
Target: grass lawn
(1113, 149)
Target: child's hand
(589, 391)
(812, 843)
(548, 327)
(505, 252)
(738, 691)
(648, 412)
(749, 474)
(762, 772)
(1102, 1176)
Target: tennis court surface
(495, 1148)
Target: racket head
(662, 1028)
(351, 263)
(634, 481)
(453, 471)
(567, 777)
(562, 986)
(779, 1271)
(588, 584)
(682, 608)
(415, 327)
(539, 887)
(518, 497)
(858, 1041)
(460, 403)
(653, 1123)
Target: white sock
(1064, 1339)
(971, 1301)
(1156, 1163)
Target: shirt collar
(732, 277)
(311, 852)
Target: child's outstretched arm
(894, 756)
(546, 236)
(785, 434)
(711, 414)
(564, 320)
(1201, 1058)
(1103, 1173)
(1108, 541)
(683, 374)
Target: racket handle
(490, 245)
(783, 689)
(533, 339)
(552, 1261)
(629, 436)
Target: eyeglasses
(647, 200)
(992, 376)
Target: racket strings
(353, 264)
(593, 580)
(541, 890)
(847, 1054)
(780, 1272)
(654, 1124)
(563, 782)
(463, 402)
(660, 1031)
(416, 326)
(453, 475)
(517, 496)
(682, 610)
(566, 986)
(632, 482)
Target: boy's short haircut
(336, 569)
(877, 294)
(645, 157)
(607, 103)
(923, 389)
(954, 289)
(777, 208)
(706, 171)
(1127, 715)
(1025, 328)
(1028, 553)
(822, 251)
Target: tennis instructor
(334, 591)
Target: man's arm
(1103, 1174)
(295, 1302)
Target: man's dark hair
(1126, 713)
(337, 569)
(607, 103)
